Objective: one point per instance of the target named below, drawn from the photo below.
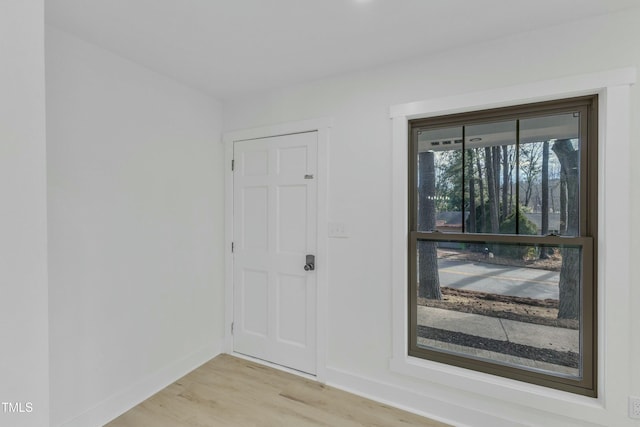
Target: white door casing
(275, 214)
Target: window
(502, 254)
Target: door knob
(311, 263)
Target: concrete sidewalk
(538, 336)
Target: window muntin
(477, 194)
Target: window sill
(485, 384)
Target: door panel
(292, 325)
(255, 212)
(292, 224)
(255, 309)
(275, 197)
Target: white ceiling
(229, 48)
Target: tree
(512, 164)
(428, 277)
(472, 194)
(563, 202)
(448, 186)
(569, 305)
(529, 168)
(505, 180)
(483, 227)
(545, 196)
(508, 226)
(496, 177)
(491, 185)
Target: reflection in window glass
(439, 177)
(501, 177)
(491, 165)
(550, 174)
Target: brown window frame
(587, 240)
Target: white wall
(360, 340)
(135, 230)
(24, 375)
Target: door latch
(311, 263)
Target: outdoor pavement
(499, 279)
(539, 336)
(515, 281)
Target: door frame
(322, 126)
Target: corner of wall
(126, 399)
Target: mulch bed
(529, 310)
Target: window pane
(550, 173)
(490, 151)
(439, 178)
(501, 303)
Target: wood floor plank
(229, 391)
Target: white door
(274, 215)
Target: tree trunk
(563, 202)
(569, 305)
(545, 196)
(428, 278)
(483, 215)
(491, 185)
(505, 180)
(527, 194)
(472, 195)
(511, 205)
(496, 177)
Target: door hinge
(232, 323)
(233, 165)
(232, 246)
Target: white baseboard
(415, 402)
(124, 400)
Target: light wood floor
(228, 391)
